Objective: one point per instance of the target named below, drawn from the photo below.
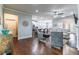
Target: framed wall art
(25, 23)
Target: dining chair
(57, 39)
(40, 36)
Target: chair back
(40, 35)
(57, 39)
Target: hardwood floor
(68, 50)
(33, 47)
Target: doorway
(11, 23)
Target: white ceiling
(44, 9)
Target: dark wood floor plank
(31, 46)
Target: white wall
(78, 30)
(1, 16)
(64, 23)
(23, 32)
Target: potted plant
(5, 41)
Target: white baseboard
(24, 37)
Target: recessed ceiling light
(36, 11)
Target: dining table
(46, 36)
